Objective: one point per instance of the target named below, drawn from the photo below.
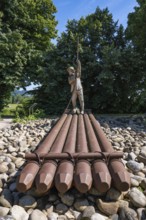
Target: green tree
(120, 80)
(95, 32)
(54, 93)
(112, 69)
(136, 33)
(26, 30)
(136, 30)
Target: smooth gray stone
(137, 198)
(6, 198)
(135, 166)
(141, 213)
(67, 198)
(8, 217)
(126, 213)
(88, 212)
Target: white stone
(11, 149)
(19, 213)
(98, 216)
(3, 167)
(69, 215)
(134, 182)
(38, 215)
(52, 216)
(19, 162)
(3, 211)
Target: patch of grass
(38, 114)
(25, 119)
(10, 110)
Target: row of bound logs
(75, 153)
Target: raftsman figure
(74, 80)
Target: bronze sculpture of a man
(74, 80)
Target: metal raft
(75, 153)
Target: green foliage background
(26, 30)
(113, 59)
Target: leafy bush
(39, 113)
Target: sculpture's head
(71, 70)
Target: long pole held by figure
(77, 48)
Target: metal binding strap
(106, 158)
(38, 158)
(71, 157)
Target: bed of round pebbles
(127, 134)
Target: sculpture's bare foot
(78, 111)
(74, 111)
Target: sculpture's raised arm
(78, 69)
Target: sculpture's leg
(81, 100)
(74, 100)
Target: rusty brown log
(82, 176)
(81, 136)
(102, 139)
(28, 174)
(121, 177)
(45, 146)
(45, 176)
(100, 172)
(70, 143)
(45, 169)
(64, 174)
(92, 140)
(60, 140)
(116, 167)
(101, 176)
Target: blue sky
(74, 9)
